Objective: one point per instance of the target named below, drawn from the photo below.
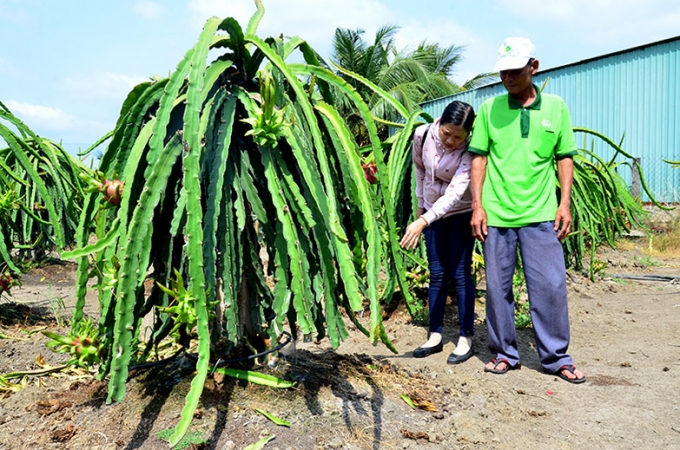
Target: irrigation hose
(665, 278)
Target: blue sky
(66, 66)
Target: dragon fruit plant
(83, 345)
(240, 174)
(41, 193)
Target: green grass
(522, 310)
(646, 261)
(189, 439)
(664, 239)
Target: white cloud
(103, 85)
(316, 21)
(201, 10)
(604, 23)
(39, 116)
(445, 31)
(548, 10)
(563, 31)
(312, 20)
(148, 9)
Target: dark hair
(458, 113)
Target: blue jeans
(449, 243)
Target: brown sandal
(497, 361)
(570, 368)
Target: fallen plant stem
(37, 372)
(256, 377)
(408, 400)
(535, 395)
(36, 330)
(273, 418)
(259, 444)
(13, 338)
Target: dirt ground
(625, 337)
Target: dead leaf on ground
(423, 403)
(537, 413)
(406, 434)
(40, 361)
(64, 434)
(47, 407)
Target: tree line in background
(248, 194)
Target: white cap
(514, 53)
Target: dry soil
(625, 337)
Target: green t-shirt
(521, 144)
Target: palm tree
(409, 76)
(353, 53)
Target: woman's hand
(413, 231)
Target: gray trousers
(545, 274)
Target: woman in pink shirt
(442, 165)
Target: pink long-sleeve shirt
(442, 176)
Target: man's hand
(565, 173)
(563, 221)
(478, 223)
(477, 176)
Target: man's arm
(477, 176)
(565, 174)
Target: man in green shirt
(516, 140)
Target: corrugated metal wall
(635, 91)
